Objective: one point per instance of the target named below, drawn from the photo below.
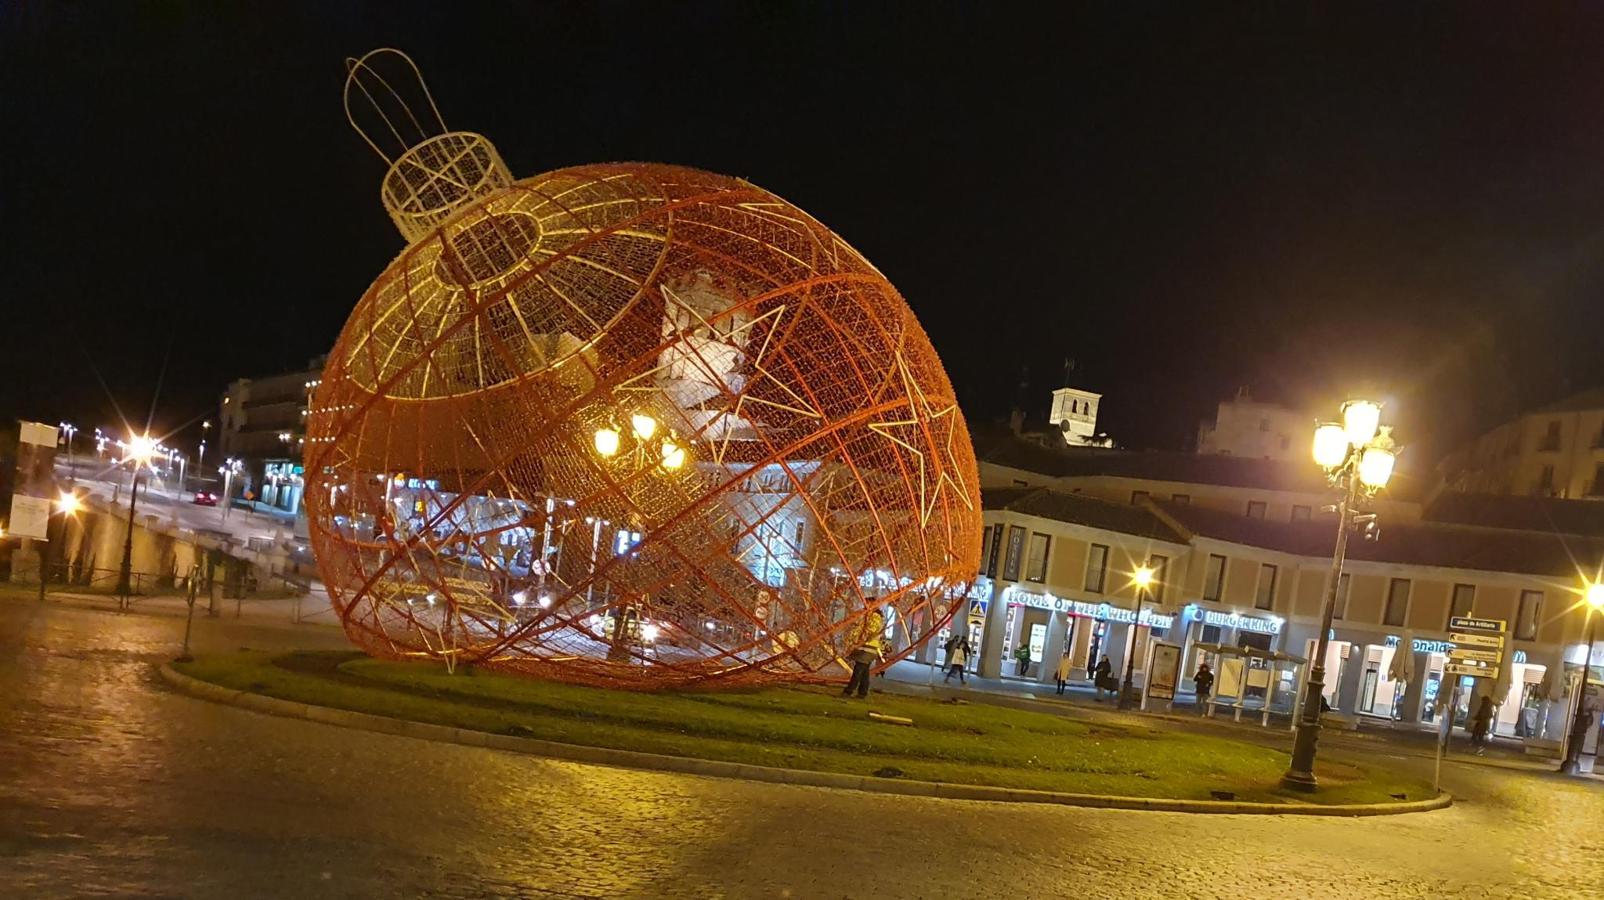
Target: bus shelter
(1250, 680)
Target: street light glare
(1330, 445)
(1360, 419)
(1375, 467)
(1143, 576)
(141, 448)
(1594, 595)
(69, 503)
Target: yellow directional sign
(1472, 670)
(1477, 640)
(1461, 654)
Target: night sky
(1402, 201)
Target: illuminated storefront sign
(1246, 623)
(1103, 611)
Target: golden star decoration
(934, 429)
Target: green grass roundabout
(811, 729)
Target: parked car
(205, 498)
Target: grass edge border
(637, 759)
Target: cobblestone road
(112, 785)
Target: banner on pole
(36, 481)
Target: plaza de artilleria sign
(1103, 611)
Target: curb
(635, 759)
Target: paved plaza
(110, 784)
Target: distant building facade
(1556, 451)
(262, 423)
(1246, 427)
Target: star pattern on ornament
(934, 429)
(789, 401)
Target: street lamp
(200, 457)
(1592, 602)
(139, 450)
(650, 447)
(1358, 456)
(67, 504)
(69, 430)
(228, 470)
(1142, 578)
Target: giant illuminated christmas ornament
(628, 424)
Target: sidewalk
(914, 678)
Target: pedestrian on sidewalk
(1062, 675)
(1103, 677)
(1481, 724)
(1203, 683)
(957, 657)
(867, 649)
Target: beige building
(1556, 451)
(1056, 573)
(1243, 426)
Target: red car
(205, 498)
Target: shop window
(996, 550)
(1214, 578)
(1253, 639)
(1266, 596)
(985, 548)
(1256, 509)
(1161, 573)
(1339, 609)
(1210, 635)
(1531, 606)
(1464, 601)
(1096, 568)
(1036, 558)
(1016, 546)
(1300, 513)
(1397, 603)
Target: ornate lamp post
(1142, 578)
(139, 450)
(1358, 456)
(1592, 602)
(645, 446)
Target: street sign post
(1477, 652)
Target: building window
(1300, 513)
(1339, 609)
(1018, 482)
(1397, 603)
(1016, 545)
(1551, 437)
(1596, 489)
(1161, 573)
(985, 548)
(1531, 606)
(1138, 497)
(1463, 602)
(1096, 568)
(1036, 559)
(1264, 424)
(1266, 595)
(996, 550)
(1255, 509)
(1545, 480)
(1214, 578)
(1181, 498)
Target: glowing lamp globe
(704, 431)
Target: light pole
(200, 457)
(69, 430)
(1358, 456)
(1592, 602)
(67, 504)
(140, 448)
(228, 469)
(1142, 578)
(649, 447)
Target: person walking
(1103, 677)
(1481, 724)
(1062, 674)
(1203, 684)
(867, 648)
(957, 657)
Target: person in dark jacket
(1481, 724)
(1203, 683)
(1103, 677)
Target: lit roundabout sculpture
(631, 424)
